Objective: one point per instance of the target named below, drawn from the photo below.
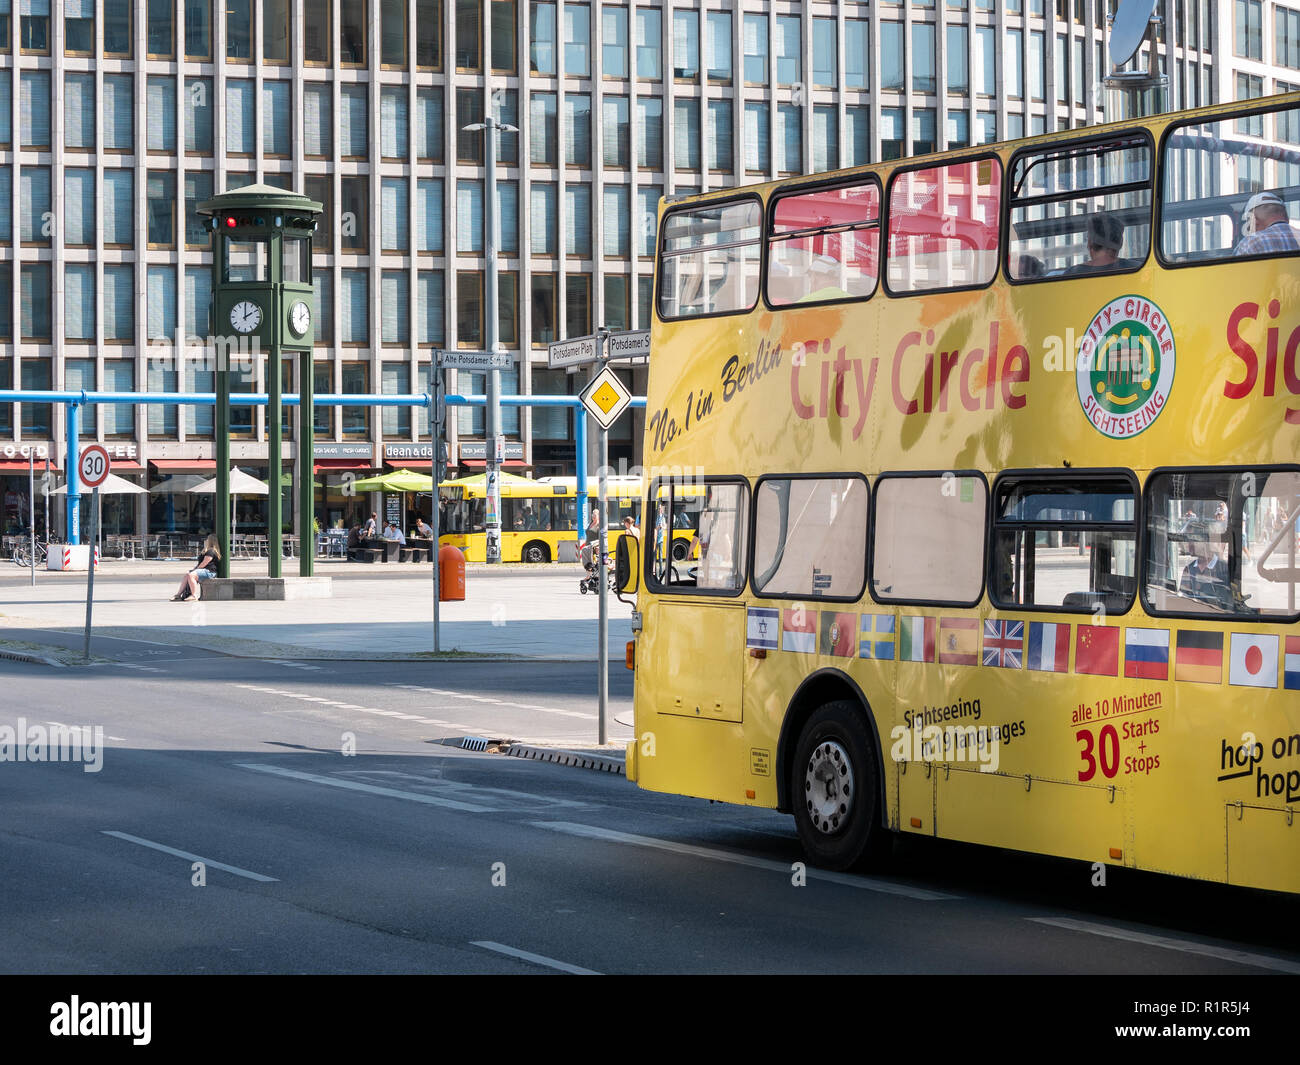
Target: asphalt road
(412, 856)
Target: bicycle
(23, 553)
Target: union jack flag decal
(1004, 644)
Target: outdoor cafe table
(391, 548)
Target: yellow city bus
(999, 541)
(536, 515)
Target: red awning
(125, 466)
(12, 466)
(337, 465)
(479, 464)
(183, 465)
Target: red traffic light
(230, 222)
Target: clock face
(299, 318)
(245, 316)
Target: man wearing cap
(1266, 227)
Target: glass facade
(617, 104)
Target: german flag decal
(1199, 657)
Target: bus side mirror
(627, 565)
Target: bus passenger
(1266, 227)
(1105, 238)
(1206, 577)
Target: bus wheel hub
(828, 787)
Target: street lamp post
(492, 430)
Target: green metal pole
(306, 460)
(274, 494)
(223, 342)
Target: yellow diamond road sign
(606, 397)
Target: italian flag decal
(916, 639)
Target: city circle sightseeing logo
(1125, 367)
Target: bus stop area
(376, 612)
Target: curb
(560, 756)
(37, 660)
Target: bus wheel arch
(535, 551)
(831, 763)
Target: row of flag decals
(1099, 650)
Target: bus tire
(535, 551)
(680, 550)
(835, 788)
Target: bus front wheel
(835, 790)
(535, 552)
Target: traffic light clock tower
(263, 302)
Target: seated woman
(205, 569)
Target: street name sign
(478, 361)
(606, 397)
(574, 352)
(629, 345)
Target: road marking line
(1241, 957)
(139, 668)
(536, 959)
(371, 789)
(864, 883)
(193, 857)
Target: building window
(892, 141)
(958, 130)
(577, 40)
(79, 310)
(857, 129)
(1286, 48)
(542, 228)
(958, 69)
(392, 33)
(323, 282)
(395, 380)
(758, 137)
(36, 222)
(1247, 40)
(577, 236)
(789, 140)
(617, 302)
(923, 76)
(857, 53)
(316, 34)
(276, 122)
(354, 300)
(789, 49)
(352, 33)
(392, 122)
(394, 213)
(430, 309)
(617, 219)
(78, 207)
(79, 374)
(198, 189)
(985, 60)
(160, 204)
(923, 131)
(469, 308)
(353, 122)
(239, 116)
(79, 27)
(647, 219)
(198, 29)
(616, 141)
(118, 208)
(429, 124)
(720, 157)
(428, 34)
(543, 312)
(356, 381)
(317, 120)
(686, 45)
(34, 27)
(34, 108)
(198, 116)
(37, 417)
(354, 213)
(505, 50)
(823, 56)
(719, 46)
(891, 56)
(395, 298)
(543, 134)
(1013, 66)
(826, 139)
(119, 302)
(577, 133)
(649, 66)
(686, 133)
(469, 111)
(577, 305)
(755, 29)
(650, 133)
(79, 111)
(469, 217)
(275, 30)
(162, 302)
(508, 217)
(429, 215)
(541, 46)
(239, 29)
(469, 35)
(614, 45)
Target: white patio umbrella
(241, 484)
(113, 486)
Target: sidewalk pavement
(377, 612)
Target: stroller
(589, 559)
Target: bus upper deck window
(709, 259)
(824, 246)
(1232, 187)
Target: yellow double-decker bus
(999, 537)
(537, 516)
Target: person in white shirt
(392, 532)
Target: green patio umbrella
(397, 481)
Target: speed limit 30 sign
(92, 467)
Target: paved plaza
(377, 611)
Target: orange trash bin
(451, 573)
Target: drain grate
(474, 743)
